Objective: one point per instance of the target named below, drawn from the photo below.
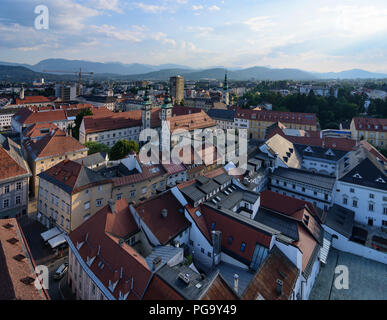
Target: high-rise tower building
(176, 85)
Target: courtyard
(367, 279)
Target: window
(133, 193)
(18, 186)
(86, 216)
(202, 250)
(352, 190)
(371, 207)
(6, 203)
(93, 289)
(213, 225)
(61, 220)
(67, 224)
(119, 196)
(384, 223)
(230, 240)
(209, 254)
(326, 197)
(345, 200)
(99, 188)
(99, 202)
(303, 189)
(18, 200)
(243, 247)
(372, 196)
(385, 210)
(354, 203)
(6, 189)
(87, 205)
(143, 190)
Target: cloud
(197, 7)
(108, 5)
(213, 8)
(149, 7)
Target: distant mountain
(96, 67)
(256, 73)
(136, 71)
(351, 74)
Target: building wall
(11, 192)
(111, 137)
(320, 197)
(376, 138)
(39, 165)
(68, 211)
(363, 196)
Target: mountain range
(136, 71)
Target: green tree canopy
(95, 147)
(122, 148)
(78, 121)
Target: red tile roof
(241, 232)
(159, 290)
(276, 266)
(54, 144)
(35, 131)
(113, 121)
(32, 99)
(26, 116)
(366, 145)
(120, 223)
(190, 122)
(9, 167)
(277, 116)
(12, 271)
(164, 229)
(116, 258)
(370, 124)
(219, 290)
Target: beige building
(372, 130)
(176, 85)
(69, 194)
(257, 121)
(49, 150)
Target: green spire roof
(225, 85)
(167, 101)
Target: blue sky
(311, 35)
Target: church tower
(166, 108)
(226, 95)
(146, 111)
(22, 93)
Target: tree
(95, 147)
(78, 121)
(122, 148)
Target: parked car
(61, 271)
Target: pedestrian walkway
(65, 291)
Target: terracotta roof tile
(12, 271)
(190, 122)
(276, 266)
(164, 229)
(9, 167)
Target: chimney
(236, 283)
(164, 213)
(279, 286)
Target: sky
(318, 35)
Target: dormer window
(358, 176)
(112, 286)
(380, 180)
(329, 153)
(308, 149)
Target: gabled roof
(32, 99)
(371, 175)
(12, 243)
(277, 116)
(27, 117)
(285, 150)
(370, 124)
(10, 168)
(276, 266)
(238, 230)
(219, 114)
(39, 130)
(190, 122)
(164, 228)
(72, 177)
(114, 263)
(55, 143)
